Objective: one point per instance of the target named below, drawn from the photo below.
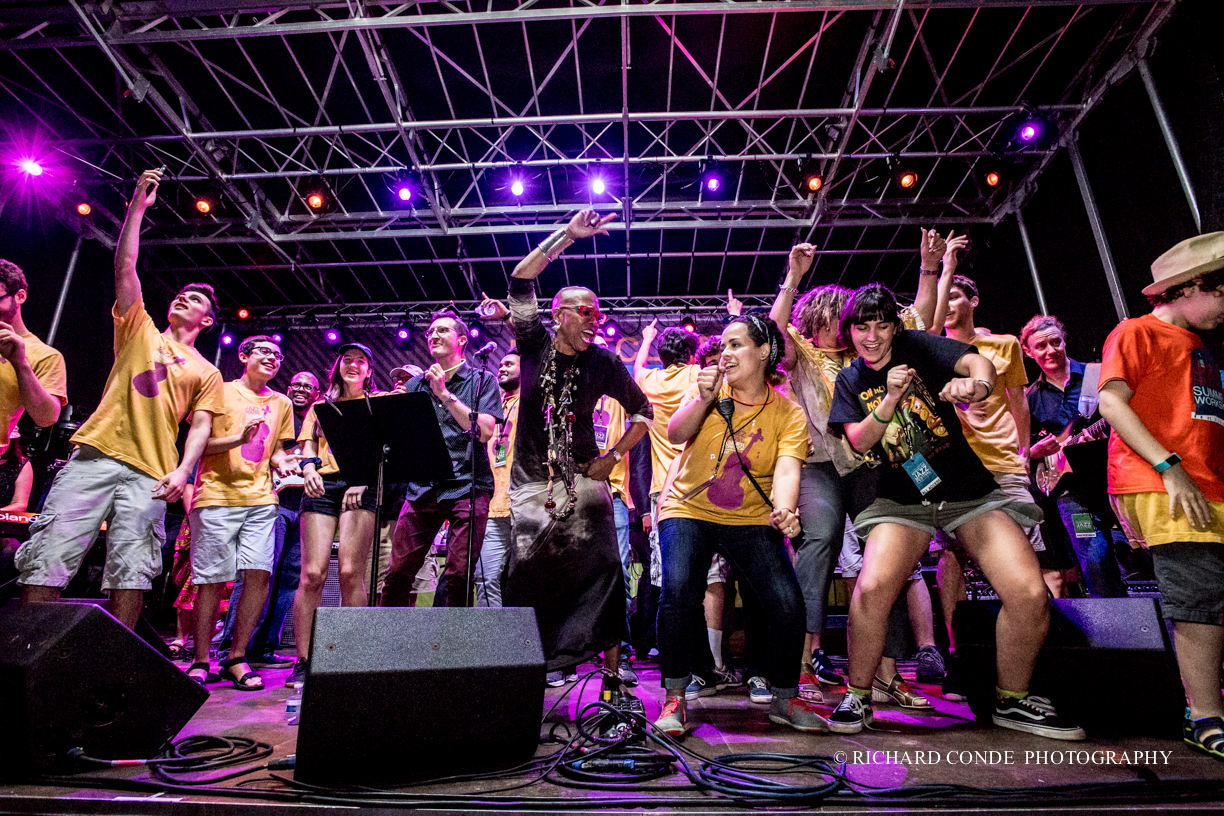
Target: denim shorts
(332, 500)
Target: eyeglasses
(300, 386)
(589, 313)
(267, 352)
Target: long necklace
(559, 420)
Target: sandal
(241, 683)
(179, 651)
(199, 681)
(1212, 745)
(899, 692)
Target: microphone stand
(474, 434)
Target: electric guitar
(1049, 471)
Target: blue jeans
(286, 572)
(1095, 554)
(620, 511)
(757, 556)
(488, 572)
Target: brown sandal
(900, 693)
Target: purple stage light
(31, 167)
(404, 193)
(475, 331)
(597, 186)
(712, 184)
(332, 336)
(402, 334)
(276, 337)
(610, 331)
(516, 187)
(227, 339)
(1029, 131)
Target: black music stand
(392, 436)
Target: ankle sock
(715, 636)
(860, 692)
(1002, 695)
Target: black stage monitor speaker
(1095, 653)
(401, 693)
(71, 675)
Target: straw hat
(1188, 260)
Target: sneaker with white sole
(852, 714)
(673, 720)
(798, 714)
(700, 687)
(727, 677)
(1035, 715)
(297, 678)
(554, 679)
(758, 690)
(824, 670)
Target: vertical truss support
(1098, 231)
(1175, 153)
(63, 295)
(1032, 262)
(626, 196)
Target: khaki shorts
(90, 489)
(946, 516)
(227, 539)
(1012, 485)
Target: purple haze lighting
(227, 339)
(610, 331)
(332, 336)
(31, 167)
(276, 337)
(475, 332)
(404, 193)
(402, 334)
(516, 187)
(1029, 131)
(712, 184)
(597, 186)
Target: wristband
(1161, 467)
(314, 460)
(794, 290)
(922, 270)
(552, 246)
(877, 418)
(989, 387)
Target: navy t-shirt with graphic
(923, 423)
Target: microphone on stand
(486, 349)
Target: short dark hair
(1041, 323)
(676, 346)
(762, 330)
(207, 291)
(248, 345)
(12, 277)
(448, 313)
(870, 302)
(513, 350)
(965, 285)
(709, 345)
(1207, 282)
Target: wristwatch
(616, 455)
(1161, 467)
(450, 397)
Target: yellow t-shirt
(48, 365)
(154, 384)
(665, 388)
(989, 425)
(501, 457)
(709, 484)
(609, 428)
(242, 476)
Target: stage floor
(943, 747)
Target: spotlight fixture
(333, 335)
(315, 201)
(597, 185)
(1029, 131)
(713, 179)
(475, 332)
(906, 178)
(83, 208)
(404, 193)
(611, 329)
(516, 187)
(813, 182)
(243, 314)
(205, 205)
(277, 337)
(31, 167)
(403, 335)
(992, 178)
(689, 324)
(227, 338)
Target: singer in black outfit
(454, 386)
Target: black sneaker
(825, 672)
(930, 665)
(269, 661)
(298, 678)
(953, 685)
(1036, 715)
(627, 675)
(851, 714)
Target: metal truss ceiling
(457, 99)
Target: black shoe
(953, 685)
(930, 665)
(825, 672)
(627, 675)
(852, 714)
(1036, 715)
(269, 661)
(298, 678)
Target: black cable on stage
(194, 755)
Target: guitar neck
(1091, 432)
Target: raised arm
(127, 282)
(639, 362)
(931, 250)
(797, 265)
(585, 224)
(944, 294)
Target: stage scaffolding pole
(63, 295)
(1166, 130)
(1098, 230)
(1032, 262)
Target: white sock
(715, 636)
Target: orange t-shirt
(1179, 397)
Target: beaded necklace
(559, 420)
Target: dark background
(1136, 189)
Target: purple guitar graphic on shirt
(727, 490)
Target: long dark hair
(871, 302)
(761, 331)
(335, 383)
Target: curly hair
(820, 308)
(11, 277)
(711, 345)
(870, 302)
(1041, 323)
(676, 346)
(1207, 282)
(761, 331)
